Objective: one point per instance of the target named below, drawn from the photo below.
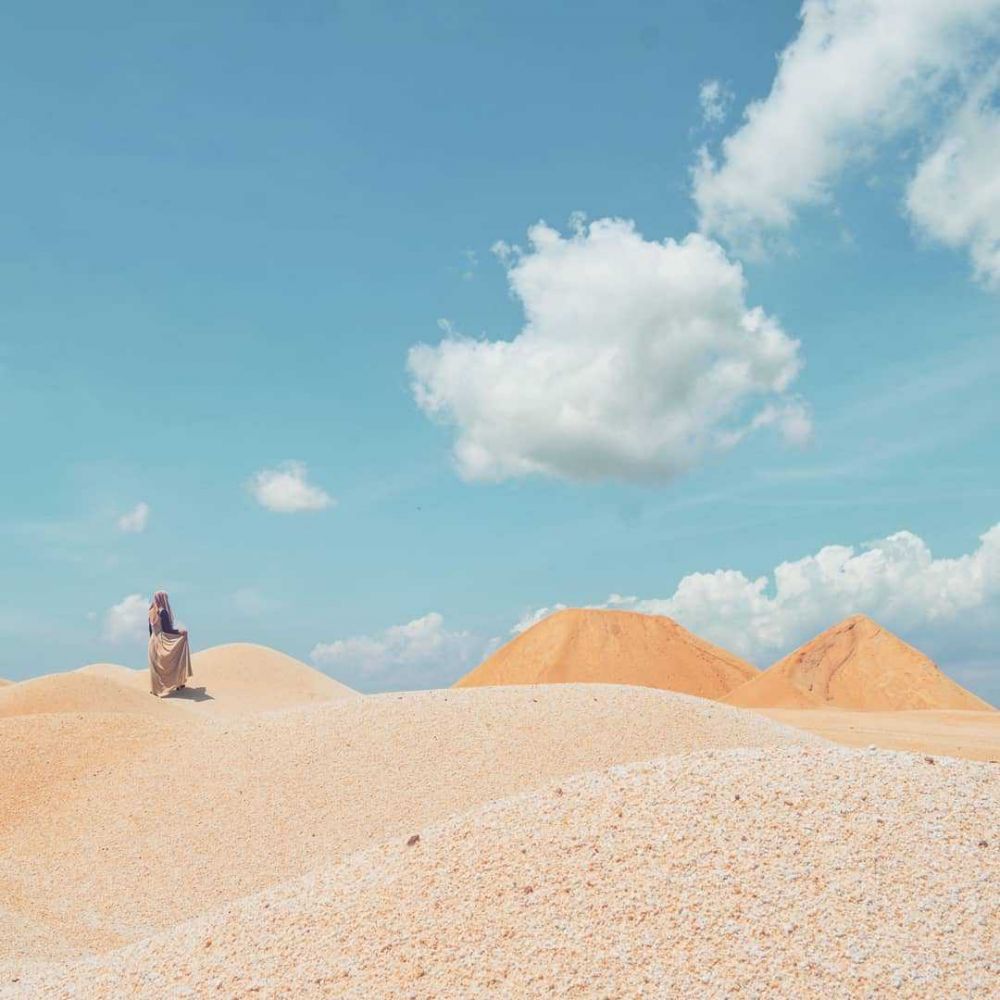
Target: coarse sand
(856, 665)
(787, 871)
(613, 647)
(119, 826)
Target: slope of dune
(720, 874)
(613, 647)
(857, 665)
(161, 819)
(74, 691)
(954, 732)
(4, 682)
(256, 678)
(231, 680)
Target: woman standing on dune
(169, 653)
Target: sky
(372, 330)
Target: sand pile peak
(74, 691)
(856, 664)
(586, 645)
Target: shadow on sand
(192, 694)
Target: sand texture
(790, 871)
(613, 647)
(856, 665)
(161, 818)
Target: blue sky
(224, 232)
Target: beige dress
(169, 660)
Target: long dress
(169, 656)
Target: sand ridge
(613, 647)
(232, 679)
(751, 872)
(221, 807)
(856, 664)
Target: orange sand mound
(858, 665)
(783, 872)
(124, 826)
(613, 647)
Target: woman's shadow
(192, 694)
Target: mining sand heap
(856, 665)
(613, 647)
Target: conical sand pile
(858, 665)
(613, 647)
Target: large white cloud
(637, 358)
(951, 605)
(422, 653)
(858, 73)
(955, 195)
(287, 489)
(126, 620)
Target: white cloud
(421, 653)
(127, 619)
(715, 98)
(135, 520)
(858, 73)
(286, 489)
(530, 618)
(636, 359)
(896, 580)
(955, 195)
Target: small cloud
(135, 520)
(530, 618)
(715, 99)
(250, 601)
(470, 266)
(287, 490)
(126, 619)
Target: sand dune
(235, 679)
(160, 819)
(857, 665)
(613, 647)
(955, 733)
(76, 691)
(777, 872)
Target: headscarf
(160, 602)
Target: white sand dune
(159, 819)
(787, 871)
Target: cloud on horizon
(637, 360)
(126, 620)
(423, 653)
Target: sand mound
(75, 691)
(247, 677)
(613, 647)
(231, 680)
(4, 683)
(739, 873)
(859, 665)
(160, 819)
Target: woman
(169, 654)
